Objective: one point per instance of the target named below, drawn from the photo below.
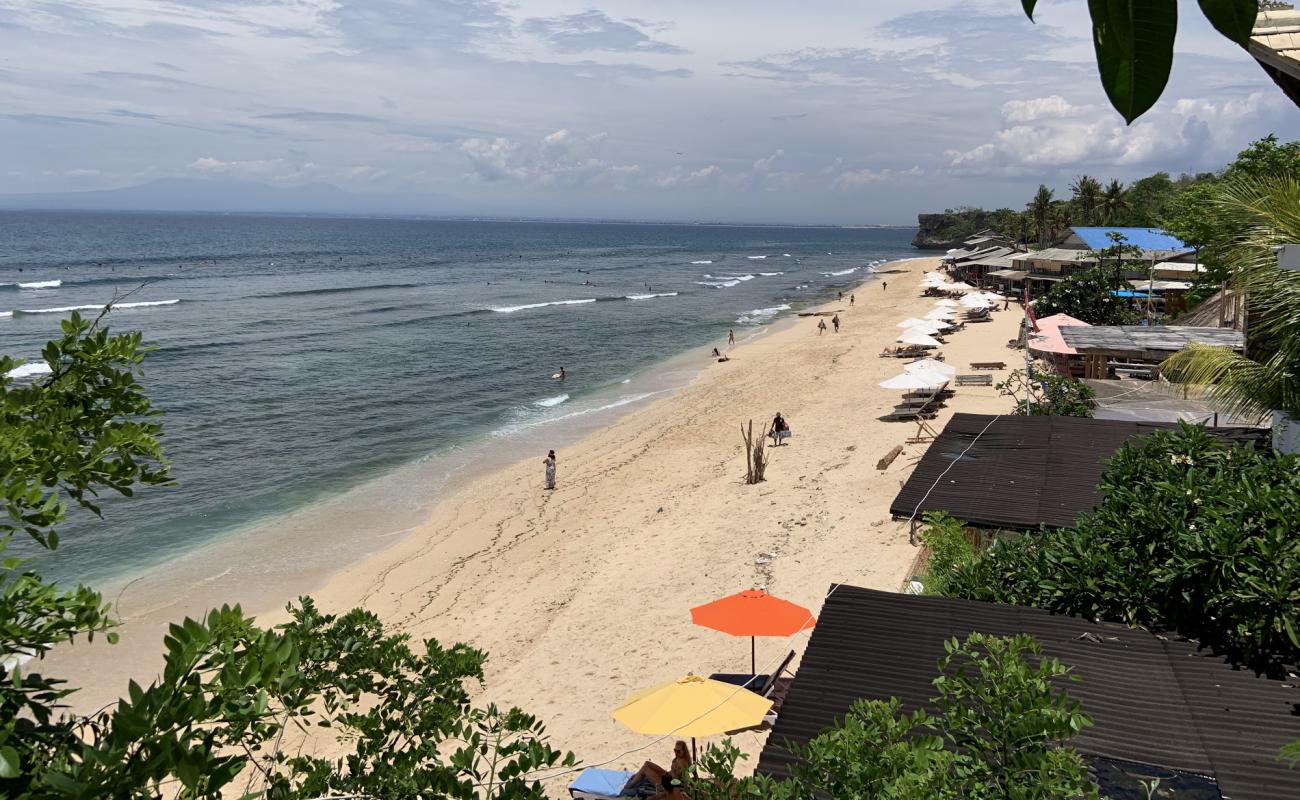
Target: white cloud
(856, 179)
(1054, 106)
(681, 176)
(561, 158)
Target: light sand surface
(582, 595)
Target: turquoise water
(299, 357)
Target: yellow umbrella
(692, 706)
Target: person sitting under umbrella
(667, 783)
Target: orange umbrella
(752, 613)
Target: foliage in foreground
(1192, 535)
(1265, 212)
(1000, 730)
(232, 698)
(949, 550)
(1052, 395)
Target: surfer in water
(561, 375)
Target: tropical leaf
(1232, 18)
(1134, 42)
(1028, 5)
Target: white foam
(513, 309)
(551, 402)
(848, 271)
(650, 296)
(770, 274)
(30, 369)
(730, 277)
(761, 315)
(785, 255)
(6, 313)
(65, 309)
(718, 284)
(516, 427)
(755, 258)
(40, 285)
(701, 262)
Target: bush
(1052, 395)
(1191, 535)
(949, 550)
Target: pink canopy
(1048, 339)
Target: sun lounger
(975, 380)
(598, 784)
(988, 365)
(910, 413)
(774, 687)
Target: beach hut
(1048, 344)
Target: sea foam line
(848, 271)
(513, 309)
(65, 309)
(650, 296)
(40, 285)
(759, 315)
(755, 258)
(701, 262)
(551, 402)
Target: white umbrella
(910, 380)
(960, 286)
(974, 301)
(929, 327)
(946, 303)
(992, 297)
(920, 339)
(912, 322)
(932, 366)
(940, 314)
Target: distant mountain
(197, 194)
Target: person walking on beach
(835, 320)
(853, 298)
(549, 462)
(731, 338)
(780, 430)
(884, 285)
(841, 297)
(821, 327)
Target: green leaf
(9, 766)
(1232, 18)
(1029, 8)
(1134, 41)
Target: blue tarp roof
(1145, 238)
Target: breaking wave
(848, 271)
(116, 306)
(526, 306)
(551, 402)
(649, 296)
(761, 315)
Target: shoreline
(584, 592)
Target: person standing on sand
(821, 327)
(835, 320)
(549, 462)
(841, 297)
(731, 338)
(853, 298)
(884, 285)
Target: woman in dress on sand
(549, 461)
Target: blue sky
(819, 111)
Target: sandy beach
(581, 595)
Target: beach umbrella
(974, 301)
(752, 613)
(692, 706)
(920, 339)
(960, 286)
(946, 303)
(928, 326)
(914, 380)
(931, 365)
(939, 314)
(912, 322)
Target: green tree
(1088, 196)
(1147, 199)
(1040, 209)
(1050, 395)
(1191, 535)
(229, 692)
(1134, 44)
(1262, 214)
(1114, 203)
(1266, 157)
(1089, 296)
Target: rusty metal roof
(1155, 700)
(1151, 342)
(1023, 472)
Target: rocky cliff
(949, 229)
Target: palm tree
(1114, 202)
(1087, 198)
(1267, 376)
(1040, 208)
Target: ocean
(300, 360)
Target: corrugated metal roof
(1003, 260)
(1148, 341)
(1055, 254)
(1145, 238)
(1023, 471)
(1153, 700)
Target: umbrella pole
(753, 657)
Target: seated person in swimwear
(667, 782)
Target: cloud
(52, 119)
(320, 116)
(256, 168)
(562, 158)
(679, 176)
(122, 112)
(594, 31)
(1046, 134)
(160, 81)
(857, 179)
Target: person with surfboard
(559, 376)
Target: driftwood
(889, 457)
(756, 455)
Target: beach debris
(889, 457)
(756, 457)
(660, 510)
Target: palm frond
(1237, 385)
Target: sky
(821, 111)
